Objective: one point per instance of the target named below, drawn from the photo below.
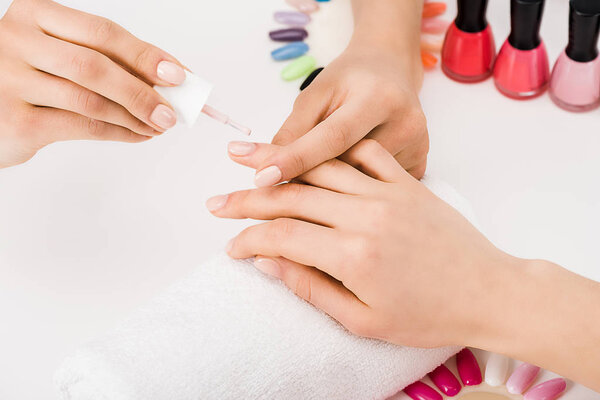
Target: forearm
(547, 316)
(391, 25)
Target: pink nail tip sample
(421, 391)
(445, 381)
(434, 25)
(468, 368)
(548, 390)
(291, 18)
(522, 378)
(305, 6)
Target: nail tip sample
(310, 78)
(468, 368)
(521, 378)
(298, 68)
(288, 35)
(293, 18)
(445, 381)
(290, 51)
(421, 391)
(548, 390)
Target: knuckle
(145, 58)
(361, 253)
(282, 227)
(101, 30)
(335, 137)
(302, 287)
(290, 194)
(89, 102)
(95, 128)
(85, 65)
(370, 147)
(140, 97)
(380, 211)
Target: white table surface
(89, 231)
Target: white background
(89, 231)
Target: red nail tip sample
(422, 391)
(445, 381)
(468, 368)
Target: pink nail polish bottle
(575, 80)
(522, 70)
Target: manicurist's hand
(383, 255)
(66, 75)
(369, 91)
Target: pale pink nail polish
(421, 391)
(216, 203)
(241, 148)
(268, 176)
(305, 6)
(521, 378)
(268, 266)
(170, 72)
(548, 390)
(163, 116)
(468, 368)
(434, 25)
(445, 381)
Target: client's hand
(69, 75)
(369, 91)
(374, 249)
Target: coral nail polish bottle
(522, 70)
(575, 80)
(469, 49)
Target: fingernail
(468, 369)
(229, 246)
(163, 116)
(496, 369)
(268, 176)
(445, 381)
(170, 72)
(240, 148)
(217, 202)
(548, 390)
(421, 391)
(521, 378)
(268, 266)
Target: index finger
(329, 139)
(150, 63)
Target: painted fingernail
(521, 378)
(217, 202)
(241, 148)
(468, 369)
(548, 390)
(163, 116)
(170, 72)
(268, 266)
(421, 391)
(496, 369)
(268, 176)
(445, 381)
(229, 246)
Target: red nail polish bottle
(522, 70)
(469, 49)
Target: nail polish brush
(189, 100)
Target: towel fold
(229, 332)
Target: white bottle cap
(187, 99)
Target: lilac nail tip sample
(289, 51)
(522, 377)
(468, 368)
(549, 390)
(445, 381)
(291, 18)
(422, 391)
(288, 35)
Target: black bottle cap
(525, 21)
(471, 15)
(584, 25)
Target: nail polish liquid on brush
(469, 49)
(522, 70)
(575, 80)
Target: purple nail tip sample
(291, 18)
(288, 35)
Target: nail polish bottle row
(521, 68)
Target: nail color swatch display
(497, 380)
(304, 64)
(521, 69)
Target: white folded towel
(228, 332)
